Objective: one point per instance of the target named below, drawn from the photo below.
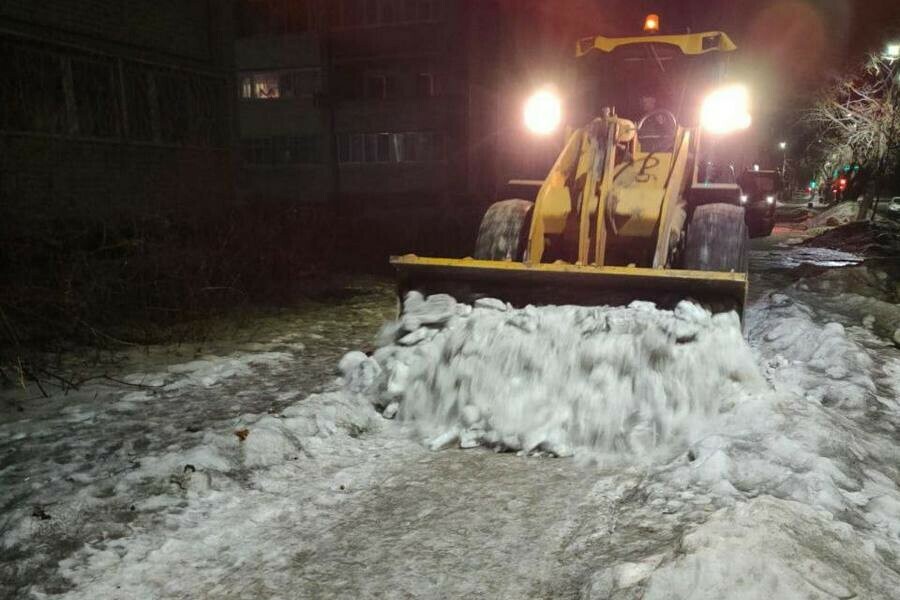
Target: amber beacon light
(651, 24)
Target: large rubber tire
(503, 233)
(717, 239)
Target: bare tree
(858, 121)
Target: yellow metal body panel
(510, 266)
(587, 172)
(673, 213)
(590, 190)
(689, 43)
(554, 201)
(637, 195)
(560, 283)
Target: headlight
(543, 112)
(726, 110)
(770, 199)
(744, 198)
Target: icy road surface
(774, 474)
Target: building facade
(375, 110)
(116, 162)
(115, 106)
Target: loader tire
(503, 233)
(717, 239)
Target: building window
(381, 86)
(422, 146)
(32, 96)
(281, 150)
(349, 14)
(96, 98)
(424, 85)
(59, 91)
(274, 17)
(174, 120)
(140, 101)
(280, 84)
(260, 86)
(206, 106)
(405, 147)
(299, 84)
(376, 87)
(186, 108)
(372, 12)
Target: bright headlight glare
(744, 198)
(770, 199)
(726, 110)
(543, 112)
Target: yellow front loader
(629, 210)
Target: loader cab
(638, 76)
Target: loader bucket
(521, 284)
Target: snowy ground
(773, 473)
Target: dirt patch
(872, 240)
(793, 214)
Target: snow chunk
(350, 361)
(491, 304)
(360, 371)
(435, 310)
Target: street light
(783, 147)
(892, 51)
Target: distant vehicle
(759, 193)
(894, 205)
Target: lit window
(260, 86)
(285, 84)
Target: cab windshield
(627, 77)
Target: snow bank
(800, 481)
(819, 363)
(839, 214)
(634, 381)
(781, 478)
(765, 548)
(865, 293)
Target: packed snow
(709, 463)
(629, 381)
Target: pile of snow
(840, 214)
(634, 381)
